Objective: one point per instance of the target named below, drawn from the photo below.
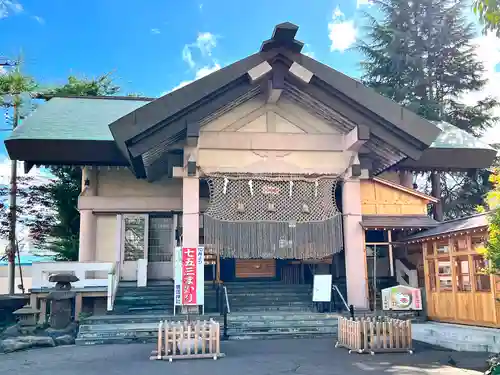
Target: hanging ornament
(291, 188)
(250, 184)
(315, 188)
(226, 182)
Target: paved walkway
(302, 357)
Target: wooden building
(458, 290)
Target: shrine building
(280, 166)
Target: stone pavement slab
(266, 357)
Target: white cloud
(155, 31)
(204, 44)
(200, 73)
(342, 32)
(309, 53)
(37, 175)
(360, 3)
(39, 19)
(488, 51)
(198, 55)
(3, 70)
(10, 7)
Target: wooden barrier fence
(184, 340)
(375, 335)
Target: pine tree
(421, 55)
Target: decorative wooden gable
(382, 197)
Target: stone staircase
(267, 296)
(155, 298)
(276, 325)
(259, 310)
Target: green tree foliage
(488, 12)
(421, 55)
(49, 209)
(491, 251)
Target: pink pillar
(355, 258)
(87, 243)
(190, 211)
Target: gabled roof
(166, 122)
(454, 149)
(465, 224)
(143, 132)
(402, 188)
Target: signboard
(322, 288)
(270, 190)
(189, 276)
(401, 298)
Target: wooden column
(437, 209)
(391, 256)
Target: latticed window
(135, 235)
(161, 238)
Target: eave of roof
(170, 109)
(397, 222)
(456, 226)
(453, 149)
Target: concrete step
(282, 324)
(233, 331)
(269, 303)
(141, 318)
(281, 335)
(301, 308)
(276, 316)
(268, 293)
(266, 299)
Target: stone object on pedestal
(27, 316)
(61, 300)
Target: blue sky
(142, 42)
(153, 46)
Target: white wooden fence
(93, 274)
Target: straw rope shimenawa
(273, 216)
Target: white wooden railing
(113, 280)
(89, 274)
(405, 275)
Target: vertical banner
(189, 280)
(189, 276)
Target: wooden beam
(276, 84)
(271, 141)
(273, 94)
(356, 138)
(301, 73)
(192, 134)
(260, 71)
(167, 130)
(320, 91)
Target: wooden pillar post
(391, 255)
(436, 193)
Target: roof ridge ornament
(283, 36)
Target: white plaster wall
(122, 183)
(4, 281)
(284, 152)
(106, 238)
